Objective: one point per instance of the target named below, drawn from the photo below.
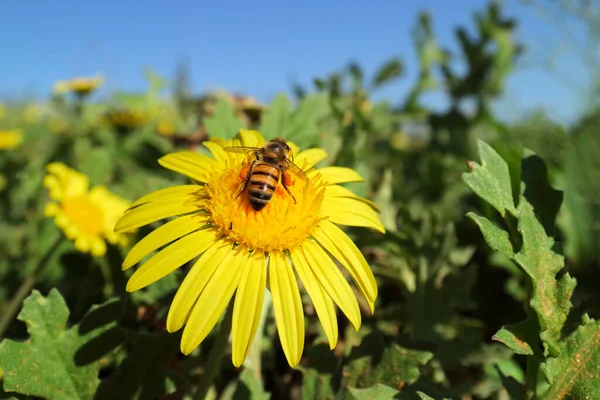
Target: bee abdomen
(262, 185)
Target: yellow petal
(336, 242)
(217, 151)
(351, 212)
(214, 299)
(319, 297)
(194, 283)
(172, 257)
(155, 211)
(251, 138)
(293, 147)
(332, 280)
(335, 175)
(248, 306)
(340, 191)
(171, 192)
(189, 163)
(308, 158)
(163, 235)
(287, 306)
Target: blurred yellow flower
(86, 216)
(165, 128)
(10, 139)
(80, 85)
(240, 249)
(124, 119)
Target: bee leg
(246, 179)
(285, 181)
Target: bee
(269, 169)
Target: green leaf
(522, 337)
(276, 119)
(318, 372)
(388, 72)
(490, 180)
(495, 237)
(223, 123)
(574, 374)
(514, 388)
(249, 387)
(550, 300)
(372, 363)
(304, 128)
(56, 363)
(145, 373)
(544, 198)
(376, 392)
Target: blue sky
(257, 47)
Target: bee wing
(241, 149)
(297, 170)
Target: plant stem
(215, 356)
(26, 287)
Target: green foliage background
(488, 271)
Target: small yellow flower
(125, 119)
(10, 139)
(165, 127)
(240, 249)
(80, 86)
(86, 216)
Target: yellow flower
(241, 249)
(81, 86)
(10, 139)
(165, 127)
(86, 216)
(124, 119)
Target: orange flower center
(282, 224)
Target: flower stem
(26, 287)
(215, 356)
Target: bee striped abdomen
(262, 185)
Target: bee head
(278, 147)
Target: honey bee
(270, 168)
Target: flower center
(85, 214)
(280, 225)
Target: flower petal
(336, 242)
(194, 283)
(189, 163)
(248, 306)
(340, 191)
(319, 297)
(332, 281)
(335, 175)
(171, 192)
(251, 138)
(155, 211)
(287, 306)
(171, 258)
(217, 151)
(308, 158)
(214, 299)
(351, 212)
(163, 235)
